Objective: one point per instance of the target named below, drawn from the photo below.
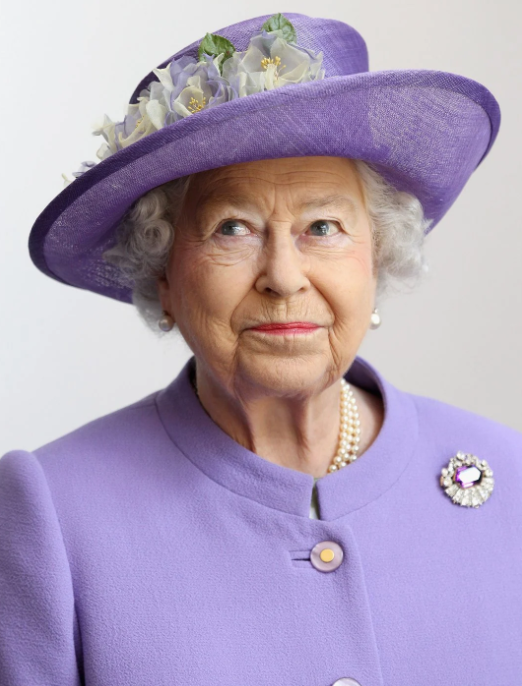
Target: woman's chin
(285, 374)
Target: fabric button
(346, 681)
(326, 556)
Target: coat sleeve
(38, 628)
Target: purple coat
(148, 548)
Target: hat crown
(344, 49)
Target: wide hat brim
(425, 131)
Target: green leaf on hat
(277, 22)
(213, 44)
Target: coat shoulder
(456, 428)
(116, 433)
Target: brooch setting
(467, 480)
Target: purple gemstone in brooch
(467, 480)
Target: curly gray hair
(146, 234)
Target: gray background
(68, 356)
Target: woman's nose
(283, 267)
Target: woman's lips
(291, 327)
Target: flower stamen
(195, 106)
(138, 123)
(277, 61)
(268, 60)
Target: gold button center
(327, 555)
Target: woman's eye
(323, 227)
(233, 227)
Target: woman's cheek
(218, 289)
(231, 250)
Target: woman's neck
(301, 435)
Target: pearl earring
(166, 322)
(375, 319)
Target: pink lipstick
(285, 328)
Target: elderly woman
(279, 514)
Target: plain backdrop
(69, 356)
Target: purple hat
(424, 131)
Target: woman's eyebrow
(239, 202)
(236, 202)
(331, 201)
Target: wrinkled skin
(256, 244)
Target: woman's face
(283, 240)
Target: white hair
(146, 233)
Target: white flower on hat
(270, 62)
(142, 118)
(186, 86)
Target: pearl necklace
(350, 429)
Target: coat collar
(238, 469)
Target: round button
(346, 681)
(326, 556)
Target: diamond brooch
(467, 480)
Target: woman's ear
(164, 292)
